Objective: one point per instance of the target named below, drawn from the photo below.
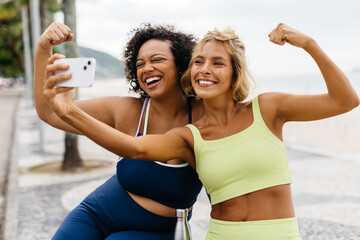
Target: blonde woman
(237, 146)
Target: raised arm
(341, 96)
(55, 34)
(102, 109)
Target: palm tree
(11, 55)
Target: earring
(133, 84)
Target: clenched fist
(284, 34)
(55, 34)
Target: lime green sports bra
(247, 161)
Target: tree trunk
(46, 15)
(71, 48)
(72, 157)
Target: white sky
(104, 24)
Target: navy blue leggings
(110, 213)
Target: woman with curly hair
(236, 146)
(138, 202)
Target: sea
(295, 84)
(302, 84)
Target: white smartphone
(82, 70)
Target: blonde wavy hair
(236, 49)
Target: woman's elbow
(351, 103)
(136, 153)
(132, 156)
(355, 102)
(41, 114)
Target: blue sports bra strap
(189, 109)
(146, 117)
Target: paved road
(325, 189)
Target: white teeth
(150, 80)
(206, 82)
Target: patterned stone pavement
(325, 190)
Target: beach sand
(339, 135)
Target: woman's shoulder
(126, 112)
(269, 105)
(122, 104)
(270, 97)
(111, 107)
(184, 138)
(271, 100)
(181, 132)
(126, 99)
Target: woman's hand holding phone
(82, 72)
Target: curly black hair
(182, 46)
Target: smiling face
(211, 71)
(156, 69)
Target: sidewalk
(9, 102)
(45, 199)
(325, 189)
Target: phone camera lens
(89, 63)
(85, 67)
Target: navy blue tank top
(175, 186)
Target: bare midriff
(270, 203)
(153, 206)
